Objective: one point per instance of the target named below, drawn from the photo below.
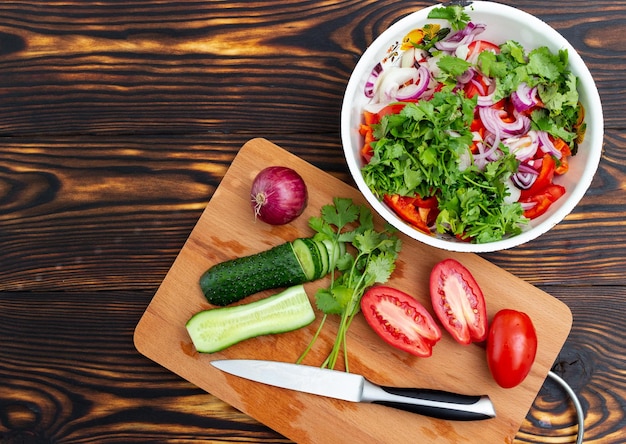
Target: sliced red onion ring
(492, 119)
(467, 77)
(485, 153)
(408, 58)
(494, 138)
(371, 81)
(525, 167)
(524, 147)
(524, 180)
(417, 89)
(488, 151)
(486, 88)
(392, 80)
(525, 176)
(479, 87)
(546, 145)
(524, 97)
(412, 57)
(528, 205)
(485, 101)
(486, 98)
(514, 192)
(462, 37)
(536, 164)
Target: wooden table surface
(118, 120)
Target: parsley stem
(351, 274)
(312, 341)
(483, 185)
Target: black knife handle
(432, 395)
(434, 403)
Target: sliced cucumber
(214, 330)
(285, 265)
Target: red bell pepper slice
(546, 174)
(562, 165)
(405, 208)
(368, 137)
(543, 200)
(370, 119)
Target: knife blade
(356, 388)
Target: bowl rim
(594, 121)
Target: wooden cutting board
(227, 229)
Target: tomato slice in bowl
(477, 46)
(458, 302)
(400, 320)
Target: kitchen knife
(355, 388)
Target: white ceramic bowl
(502, 23)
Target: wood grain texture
(168, 67)
(60, 386)
(94, 385)
(109, 207)
(118, 120)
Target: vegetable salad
(465, 136)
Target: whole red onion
(279, 195)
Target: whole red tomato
(400, 320)
(511, 347)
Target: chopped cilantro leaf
(418, 151)
(454, 14)
(453, 65)
(540, 68)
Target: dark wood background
(118, 120)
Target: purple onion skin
(279, 195)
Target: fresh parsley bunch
(374, 261)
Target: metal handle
(580, 415)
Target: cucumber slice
(334, 250)
(321, 248)
(309, 256)
(216, 329)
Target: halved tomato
(458, 301)
(400, 320)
